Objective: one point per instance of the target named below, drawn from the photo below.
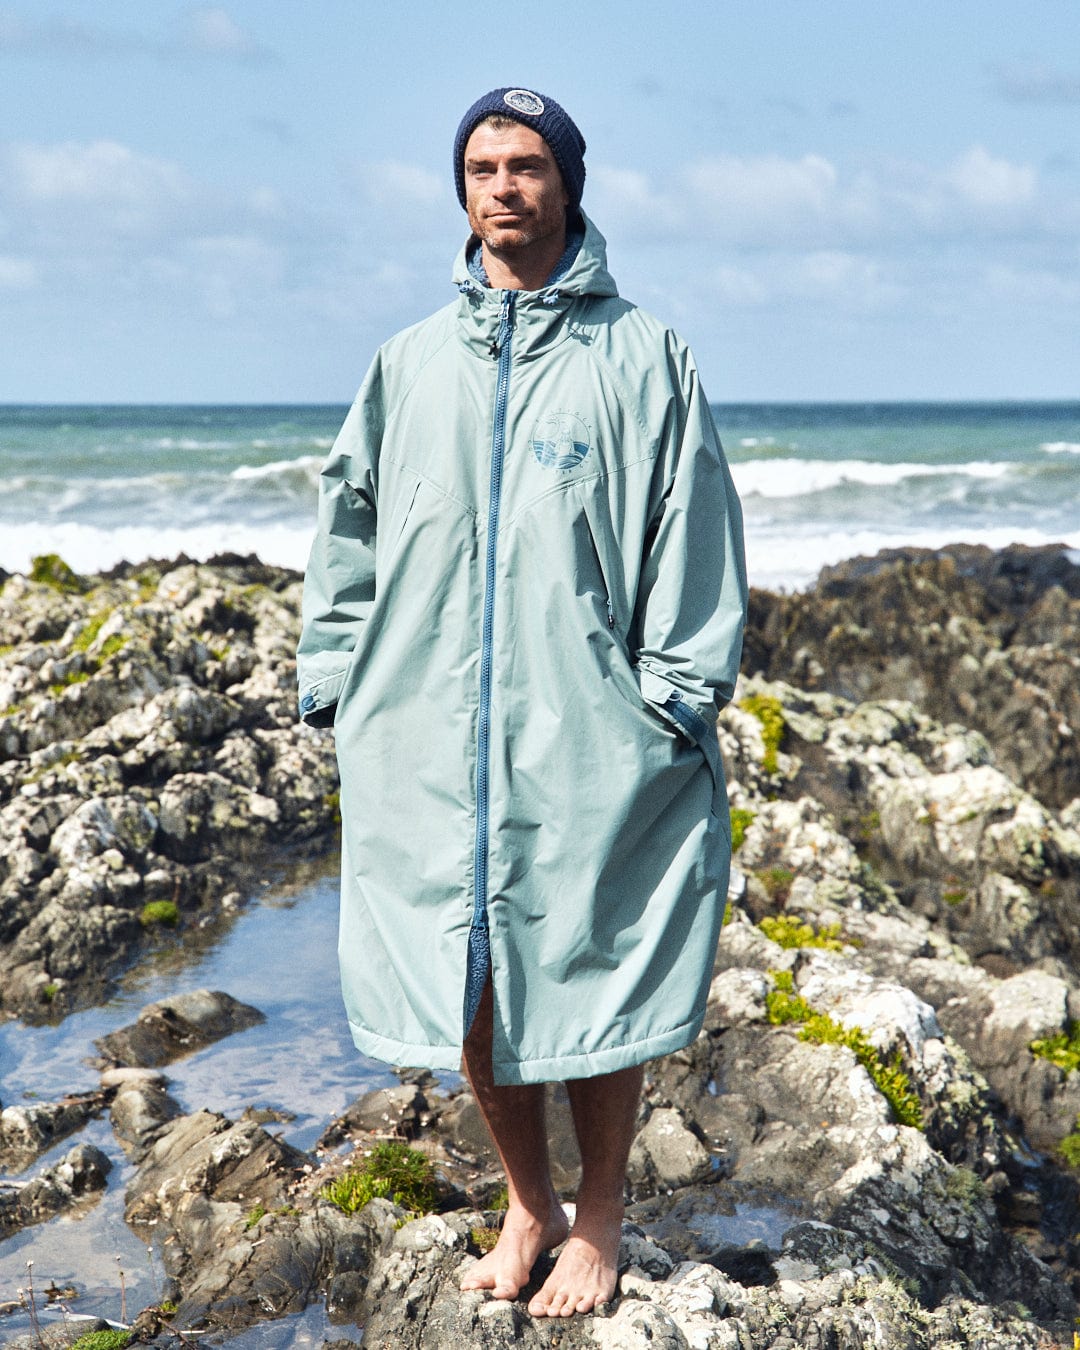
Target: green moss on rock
(1069, 1148)
(769, 712)
(49, 569)
(1062, 1049)
(777, 882)
(789, 931)
(162, 912)
(391, 1171)
(741, 820)
(89, 631)
(784, 1007)
(103, 1340)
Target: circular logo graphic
(560, 441)
(524, 101)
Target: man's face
(514, 193)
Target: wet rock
(177, 1026)
(140, 1107)
(28, 1131)
(280, 1263)
(243, 1243)
(77, 1179)
(198, 809)
(207, 1154)
(389, 1111)
(149, 750)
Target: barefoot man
(522, 610)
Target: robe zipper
(479, 949)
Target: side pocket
(394, 542)
(592, 526)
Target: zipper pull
(506, 323)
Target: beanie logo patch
(524, 101)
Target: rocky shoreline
(150, 763)
(875, 1141)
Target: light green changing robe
(523, 607)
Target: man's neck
(523, 269)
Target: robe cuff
(319, 700)
(670, 703)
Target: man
(523, 607)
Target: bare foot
(507, 1267)
(587, 1268)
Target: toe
(561, 1305)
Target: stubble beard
(508, 240)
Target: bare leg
(585, 1274)
(534, 1221)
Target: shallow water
(279, 954)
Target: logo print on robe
(560, 441)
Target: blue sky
(829, 199)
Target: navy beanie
(544, 116)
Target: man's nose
(505, 184)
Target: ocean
(819, 482)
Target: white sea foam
(1061, 447)
(797, 477)
(310, 464)
(280, 442)
(184, 443)
(779, 559)
(87, 548)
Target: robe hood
(539, 315)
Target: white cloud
(214, 32)
(100, 173)
(627, 196)
(102, 216)
(17, 274)
(844, 280)
(229, 269)
(766, 194)
(772, 202)
(1035, 286)
(984, 181)
(206, 31)
(738, 286)
(395, 183)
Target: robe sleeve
(339, 583)
(691, 604)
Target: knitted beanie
(544, 116)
